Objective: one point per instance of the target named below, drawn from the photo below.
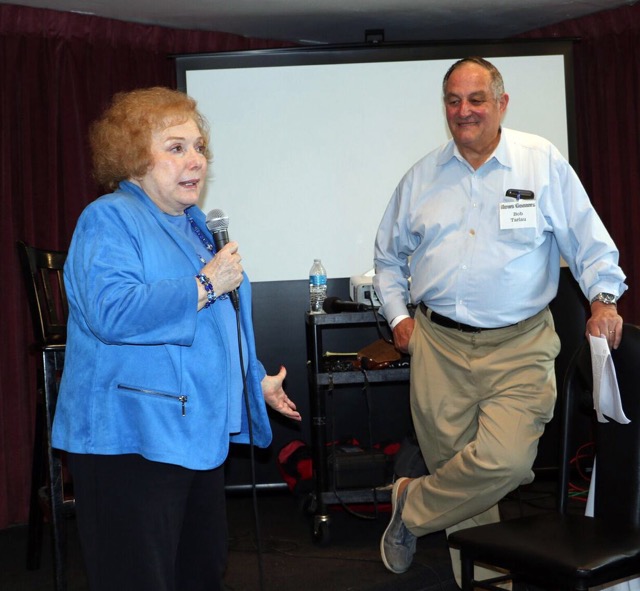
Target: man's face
(473, 112)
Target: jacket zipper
(180, 398)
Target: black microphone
(218, 222)
(334, 305)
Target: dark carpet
(350, 561)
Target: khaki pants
(479, 403)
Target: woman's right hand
(224, 271)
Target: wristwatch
(605, 298)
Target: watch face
(606, 298)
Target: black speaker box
(353, 467)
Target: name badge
(518, 215)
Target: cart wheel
(320, 534)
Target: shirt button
(472, 232)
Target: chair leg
(56, 479)
(58, 522)
(466, 571)
(36, 514)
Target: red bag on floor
(296, 466)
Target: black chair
(48, 303)
(569, 310)
(566, 548)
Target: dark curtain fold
(57, 72)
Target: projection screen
(309, 143)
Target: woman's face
(177, 173)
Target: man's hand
(606, 322)
(402, 334)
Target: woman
(152, 390)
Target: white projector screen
(308, 152)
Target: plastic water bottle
(317, 287)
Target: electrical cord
(254, 488)
(579, 492)
(383, 334)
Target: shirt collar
(501, 154)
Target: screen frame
(388, 52)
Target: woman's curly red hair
(121, 138)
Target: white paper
(606, 394)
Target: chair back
(43, 272)
(617, 490)
(617, 485)
(570, 317)
(576, 404)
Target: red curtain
(607, 89)
(57, 71)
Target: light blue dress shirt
(443, 229)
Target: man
(480, 225)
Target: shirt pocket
(522, 237)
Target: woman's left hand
(276, 397)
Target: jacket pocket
(181, 398)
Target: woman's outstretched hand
(276, 397)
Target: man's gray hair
(497, 84)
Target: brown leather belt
(441, 320)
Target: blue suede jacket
(145, 372)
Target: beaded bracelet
(206, 283)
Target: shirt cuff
(397, 320)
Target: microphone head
(329, 305)
(217, 220)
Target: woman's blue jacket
(145, 372)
